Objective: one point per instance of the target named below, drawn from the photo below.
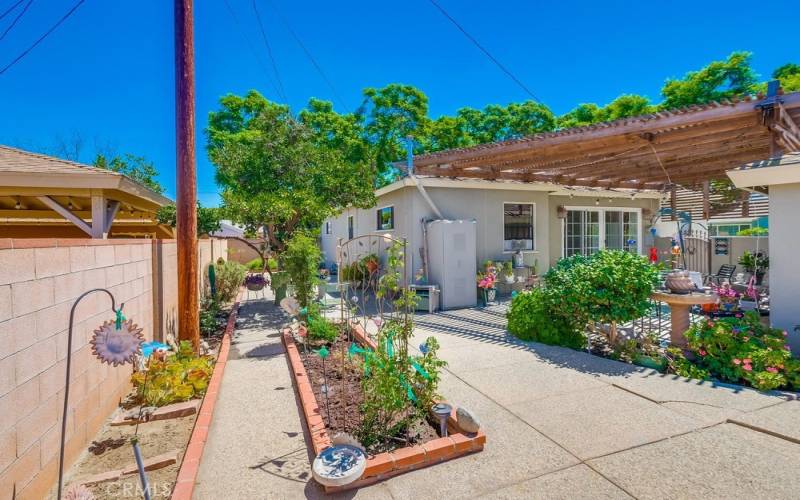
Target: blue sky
(107, 73)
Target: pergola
(664, 151)
(43, 196)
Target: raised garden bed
(425, 448)
(171, 440)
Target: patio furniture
(680, 305)
(725, 272)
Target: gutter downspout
(421, 189)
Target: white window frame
(503, 226)
(394, 221)
(602, 218)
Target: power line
(482, 49)
(14, 22)
(8, 11)
(252, 47)
(309, 55)
(269, 51)
(41, 38)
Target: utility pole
(186, 203)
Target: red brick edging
(382, 465)
(184, 485)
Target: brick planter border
(187, 474)
(382, 465)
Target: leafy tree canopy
(789, 76)
(282, 173)
(137, 168)
(208, 218)
(719, 80)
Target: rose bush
(744, 350)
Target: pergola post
(186, 205)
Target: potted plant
(486, 289)
(371, 263)
(728, 297)
(508, 272)
(755, 263)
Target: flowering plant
(727, 295)
(487, 281)
(742, 349)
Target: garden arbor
(663, 151)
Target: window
(517, 226)
(385, 218)
(328, 229)
(588, 230)
(727, 229)
(350, 227)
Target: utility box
(427, 297)
(452, 261)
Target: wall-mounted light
(69, 203)
(597, 201)
(18, 205)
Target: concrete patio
(559, 424)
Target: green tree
(391, 114)
(279, 173)
(624, 106)
(207, 218)
(718, 80)
(789, 76)
(137, 168)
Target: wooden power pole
(188, 301)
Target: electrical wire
(41, 38)
(269, 51)
(14, 22)
(310, 56)
(8, 11)
(485, 51)
(251, 45)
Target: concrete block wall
(39, 281)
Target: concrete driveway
(559, 424)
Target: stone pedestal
(679, 305)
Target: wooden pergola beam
(77, 221)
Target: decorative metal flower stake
(115, 342)
(117, 345)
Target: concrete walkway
(559, 424)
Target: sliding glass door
(587, 230)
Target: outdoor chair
(725, 273)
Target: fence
(39, 280)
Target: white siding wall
(784, 240)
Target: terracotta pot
(679, 282)
(372, 266)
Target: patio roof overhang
(39, 190)
(659, 151)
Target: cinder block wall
(39, 281)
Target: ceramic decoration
(117, 346)
(290, 305)
(339, 465)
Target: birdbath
(679, 305)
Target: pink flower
(737, 361)
(747, 368)
(772, 369)
(747, 361)
(710, 324)
(786, 346)
(702, 352)
(785, 333)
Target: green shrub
(209, 310)
(529, 318)
(611, 286)
(744, 350)
(230, 276)
(300, 260)
(177, 378)
(257, 264)
(320, 329)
